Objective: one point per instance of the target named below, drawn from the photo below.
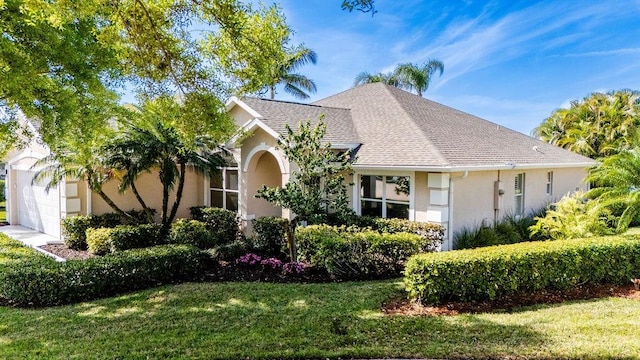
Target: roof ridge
(295, 103)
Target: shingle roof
(275, 114)
(400, 129)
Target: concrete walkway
(31, 238)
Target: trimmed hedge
(271, 234)
(192, 232)
(102, 241)
(52, 283)
(491, 272)
(223, 224)
(346, 255)
(74, 228)
(14, 252)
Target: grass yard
(261, 320)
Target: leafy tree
(600, 125)
(418, 77)
(616, 183)
(153, 141)
(319, 186)
(58, 56)
(573, 217)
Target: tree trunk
(165, 201)
(291, 240)
(96, 188)
(147, 210)
(176, 204)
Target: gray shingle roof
(400, 129)
(275, 114)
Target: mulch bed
(64, 252)
(230, 271)
(402, 306)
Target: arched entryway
(263, 169)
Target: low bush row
(490, 272)
(74, 228)
(356, 255)
(47, 283)
(14, 252)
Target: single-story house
(414, 159)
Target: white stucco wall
(473, 196)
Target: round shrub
(271, 234)
(192, 232)
(98, 240)
(222, 223)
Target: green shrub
(74, 228)
(229, 252)
(366, 254)
(53, 283)
(573, 217)
(125, 237)
(490, 272)
(192, 232)
(14, 252)
(431, 234)
(74, 231)
(98, 240)
(474, 237)
(223, 224)
(271, 234)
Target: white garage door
(37, 209)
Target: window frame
(519, 212)
(358, 199)
(549, 187)
(224, 190)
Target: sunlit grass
(258, 320)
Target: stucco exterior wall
(151, 191)
(421, 197)
(473, 196)
(240, 116)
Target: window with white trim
(550, 183)
(519, 195)
(224, 189)
(385, 196)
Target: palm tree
(599, 125)
(617, 185)
(153, 143)
(386, 78)
(418, 77)
(84, 165)
(294, 83)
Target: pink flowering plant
(293, 268)
(271, 263)
(249, 259)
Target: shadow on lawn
(233, 320)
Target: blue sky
(510, 62)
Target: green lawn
(261, 320)
(258, 320)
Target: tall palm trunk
(147, 210)
(176, 204)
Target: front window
(224, 189)
(385, 196)
(519, 195)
